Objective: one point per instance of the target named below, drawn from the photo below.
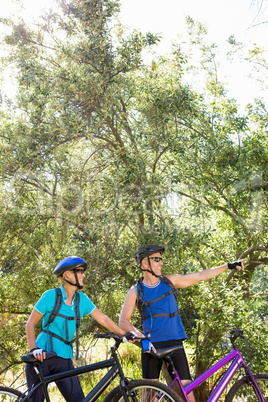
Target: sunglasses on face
(156, 259)
(80, 270)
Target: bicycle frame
(95, 392)
(238, 361)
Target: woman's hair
(61, 278)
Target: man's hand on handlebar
(132, 337)
(129, 336)
(147, 346)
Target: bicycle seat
(31, 359)
(162, 352)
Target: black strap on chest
(55, 312)
(141, 303)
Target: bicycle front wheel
(9, 394)
(144, 391)
(242, 390)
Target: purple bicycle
(249, 388)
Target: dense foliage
(101, 153)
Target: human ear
(67, 274)
(145, 263)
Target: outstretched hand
(237, 264)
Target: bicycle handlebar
(105, 335)
(121, 338)
(236, 333)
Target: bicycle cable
(248, 343)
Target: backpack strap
(139, 291)
(51, 334)
(147, 303)
(56, 308)
(143, 303)
(77, 316)
(168, 282)
(162, 315)
(55, 312)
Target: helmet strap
(76, 284)
(149, 270)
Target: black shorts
(70, 388)
(151, 366)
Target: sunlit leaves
(100, 153)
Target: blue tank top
(161, 328)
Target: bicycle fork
(254, 384)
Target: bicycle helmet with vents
(70, 264)
(147, 250)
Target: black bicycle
(129, 389)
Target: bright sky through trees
(221, 17)
(242, 18)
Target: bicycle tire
(8, 394)
(154, 391)
(242, 390)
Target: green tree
(100, 153)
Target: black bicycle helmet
(68, 264)
(147, 250)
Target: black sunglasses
(79, 270)
(156, 259)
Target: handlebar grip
(106, 335)
(100, 336)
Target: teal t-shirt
(45, 305)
